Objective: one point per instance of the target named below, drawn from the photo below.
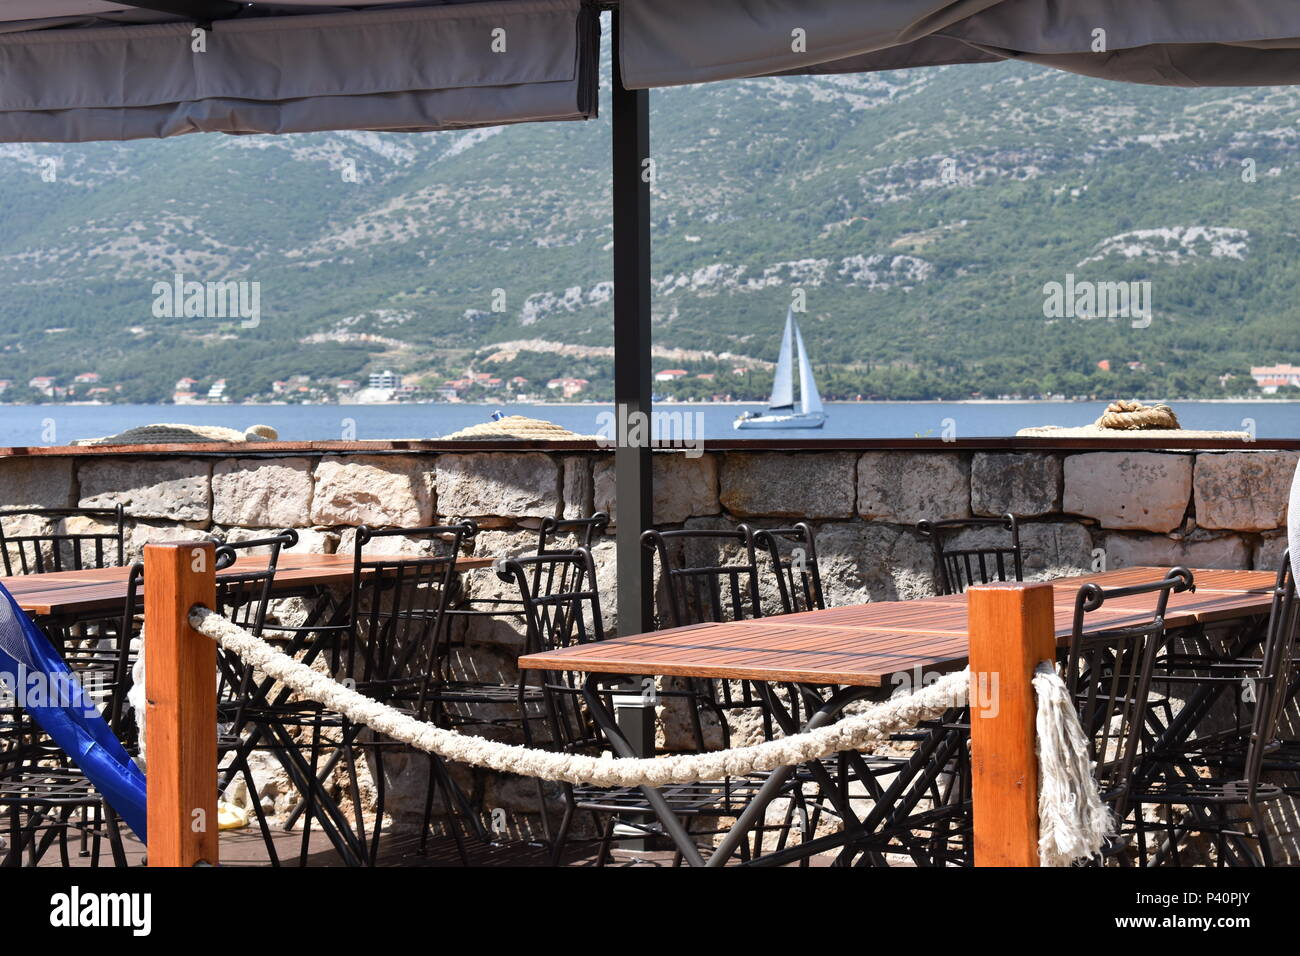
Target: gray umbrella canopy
(76, 70)
(1160, 42)
(103, 71)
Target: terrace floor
(400, 848)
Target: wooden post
(180, 723)
(1011, 629)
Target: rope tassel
(1073, 822)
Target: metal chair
(584, 532)
(399, 649)
(36, 552)
(45, 794)
(245, 599)
(576, 722)
(710, 576)
(554, 535)
(956, 568)
(1108, 672)
(793, 555)
(1218, 776)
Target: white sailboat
(781, 412)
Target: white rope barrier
(1067, 783)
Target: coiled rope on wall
(1074, 824)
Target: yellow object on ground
(231, 817)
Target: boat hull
(780, 421)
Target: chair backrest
(563, 611)
(1108, 672)
(559, 597)
(1272, 689)
(957, 567)
(793, 553)
(117, 713)
(584, 532)
(27, 551)
(698, 583)
(398, 606)
(245, 595)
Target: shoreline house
(1270, 378)
(568, 387)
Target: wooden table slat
(867, 644)
(73, 593)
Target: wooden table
(866, 644)
(70, 594)
(861, 647)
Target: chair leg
(12, 851)
(426, 820)
(1265, 849)
(454, 820)
(114, 828)
(306, 800)
(562, 833)
(603, 853)
(1220, 835)
(262, 824)
(354, 789)
(380, 802)
(96, 836)
(65, 823)
(542, 812)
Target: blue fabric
(69, 715)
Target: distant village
(384, 387)
(389, 387)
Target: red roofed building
(1272, 377)
(670, 374)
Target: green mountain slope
(921, 213)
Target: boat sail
(781, 411)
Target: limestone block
(262, 492)
(1268, 552)
(904, 488)
(862, 562)
(310, 540)
(377, 490)
(1138, 490)
(579, 488)
(683, 487)
(1025, 485)
(1243, 491)
(788, 485)
(36, 483)
(1197, 550)
(177, 489)
(499, 485)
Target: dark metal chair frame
(1109, 672)
(67, 549)
(1174, 772)
(398, 651)
(798, 575)
(706, 594)
(578, 714)
(958, 568)
(245, 599)
(584, 531)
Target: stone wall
(1080, 510)
(1206, 509)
